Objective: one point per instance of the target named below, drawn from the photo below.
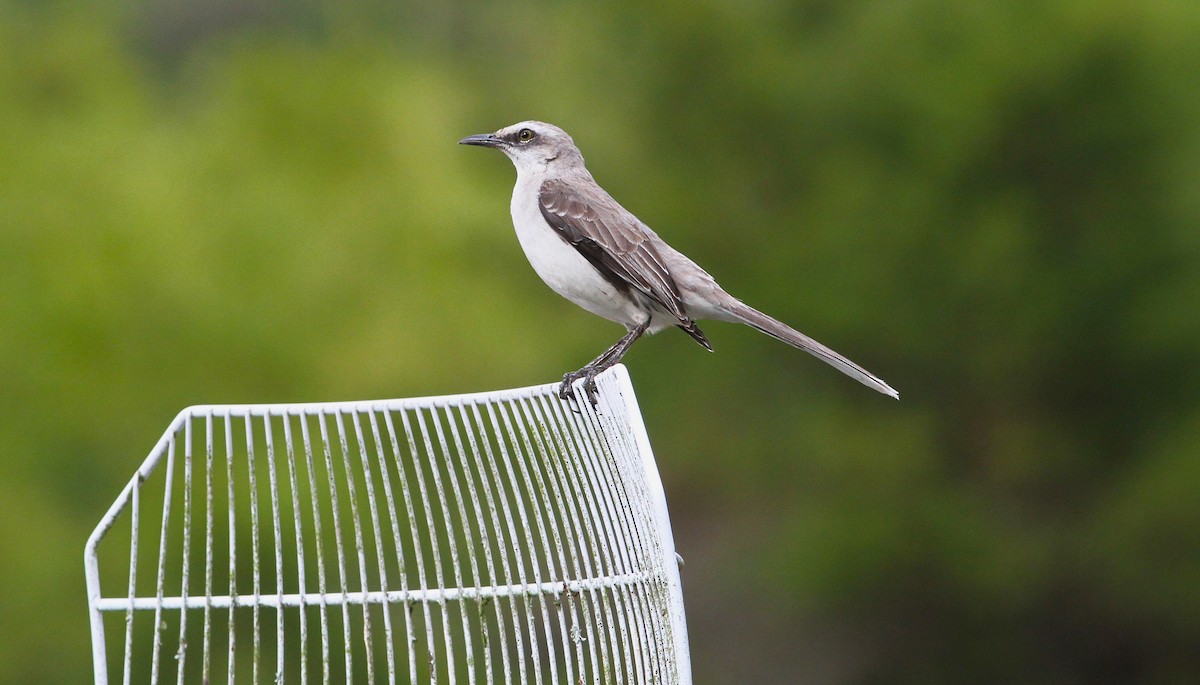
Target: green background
(995, 206)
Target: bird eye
(525, 135)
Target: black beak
(484, 139)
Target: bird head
(530, 144)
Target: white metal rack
(501, 537)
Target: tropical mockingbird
(595, 253)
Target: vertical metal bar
(206, 650)
(614, 419)
(398, 544)
(434, 551)
(660, 644)
(342, 579)
(681, 655)
(451, 462)
(91, 553)
(162, 556)
(599, 530)
(181, 654)
(322, 588)
(609, 526)
(359, 546)
(135, 516)
(386, 478)
(473, 425)
(583, 543)
(377, 533)
(617, 526)
(605, 422)
(531, 502)
(561, 519)
(515, 571)
(409, 634)
(233, 589)
(449, 528)
(276, 543)
(256, 585)
(298, 528)
(91, 565)
(453, 419)
(439, 415)
(626, 482)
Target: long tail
(780, 331)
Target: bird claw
(588, 375)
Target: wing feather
(612, 239)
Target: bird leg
(606, 359)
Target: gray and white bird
(594, 252)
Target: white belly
(561, 266)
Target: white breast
(560, 265)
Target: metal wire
(506, 537)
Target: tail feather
(780, 331)
(698, 335)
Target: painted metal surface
(502, 537)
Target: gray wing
(612, 239)
(614, 242)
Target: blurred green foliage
(993, 205)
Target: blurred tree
(993, 205)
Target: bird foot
(588, 375)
